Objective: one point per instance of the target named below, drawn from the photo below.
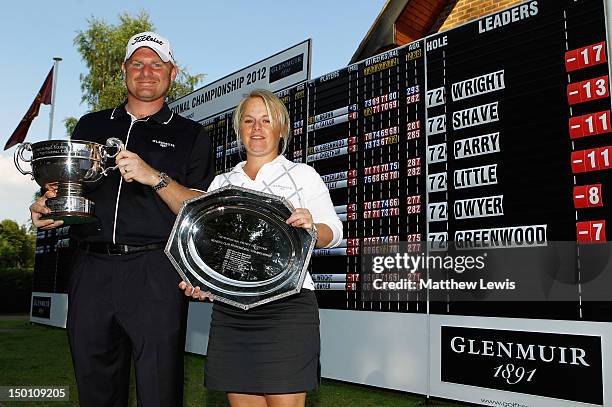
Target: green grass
(37, 355)
(12, 324)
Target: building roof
(400, 22)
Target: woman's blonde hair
(277, 112)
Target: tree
(70, 123)
(102, 47)
(16, 245)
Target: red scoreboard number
(591, 231)
(585, 57)
(352, 277)
(352, 242)
(589, 124)
(352, 180)
(591, 89)
(351, 216)
(352, 251)
(587, 196)
(593, 159)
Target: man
(123, 296)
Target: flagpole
(55, 69)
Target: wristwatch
(164, 180)
(314, 229)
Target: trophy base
(73, 210)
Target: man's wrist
(163, 182)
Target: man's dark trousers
(124, 306)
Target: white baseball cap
(151, 40)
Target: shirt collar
(162, 116)
(239, 168)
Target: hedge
(15, 290)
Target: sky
(211, 37)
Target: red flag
(44, 97)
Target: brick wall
(458, 12)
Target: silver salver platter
(234, 242)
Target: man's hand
(39, 209)
(133, 168)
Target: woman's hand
(195, 292)
(300, 218)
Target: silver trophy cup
(65, 166)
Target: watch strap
(164, 180)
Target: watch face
(164, 179)
(236, 244)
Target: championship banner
(277, 72)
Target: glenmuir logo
(147, 38)
(565, 366)
(163, 144)
(516, 350)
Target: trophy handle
(19, 155)
(111, 143)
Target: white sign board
(282, 70)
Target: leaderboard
(494, 134)
(54, 256)
(296, 101)
(365, 139)
(333, 150)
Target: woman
(269, 356)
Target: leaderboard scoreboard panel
(365, 139)
(521, 123)
(54, 255)
(297, 105)
(519, 104)
(495, 131)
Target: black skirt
(271, 349)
